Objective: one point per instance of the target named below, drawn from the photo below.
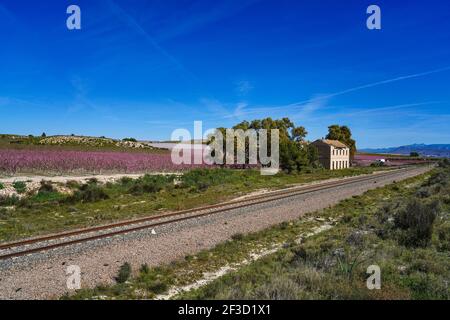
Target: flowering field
(391, 160)
(64, 161)
(370, 157)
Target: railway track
(45, 243)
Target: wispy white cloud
(357, 88)
(239, 111)
(16, 102)
(378, 111)
(243, 87)
(82, 101)
(378, 83)
(216, 107)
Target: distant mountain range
(428, 150)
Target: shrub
(416, 223)
(280, 288)
(237, 237)
(124, 181)
(89, 192)
(445, 163)
(144, 268)
(2, 186)
(202, 179)
(46, 187)
(157, 286)
(9, 201)
(423, 192)
(124, 273)
(4, 213)
(72, 184)
(20, 186)
(129, 139)
(92, 181)
(377, 164)
(149, 184)
(443, 237)
(440, 177)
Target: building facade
(333, 154)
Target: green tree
(294, 152)
(344, 135)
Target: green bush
(20, 186)
(237, 237)
(443, 237)
(440, 177)
(279, 288)
(89, 192)
(4, 213)
(202, 179)
(124, 273)
(149, 184)
(294, 158)
(157, 286)
(415, 223)
(72, 184)
(423, 192)
(92, 181)
(2, 186)
(377, 164)
(144, 268)
(125, 181)
(445, 163)
(9, 201)
(46, 187)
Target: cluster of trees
(296, 153)
(129, 140)
(344, 135)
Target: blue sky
(145, 68)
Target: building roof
(334, 143)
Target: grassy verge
(365, 230)
(93, 203)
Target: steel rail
(184, 215)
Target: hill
(72, 142)
(428, 150)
